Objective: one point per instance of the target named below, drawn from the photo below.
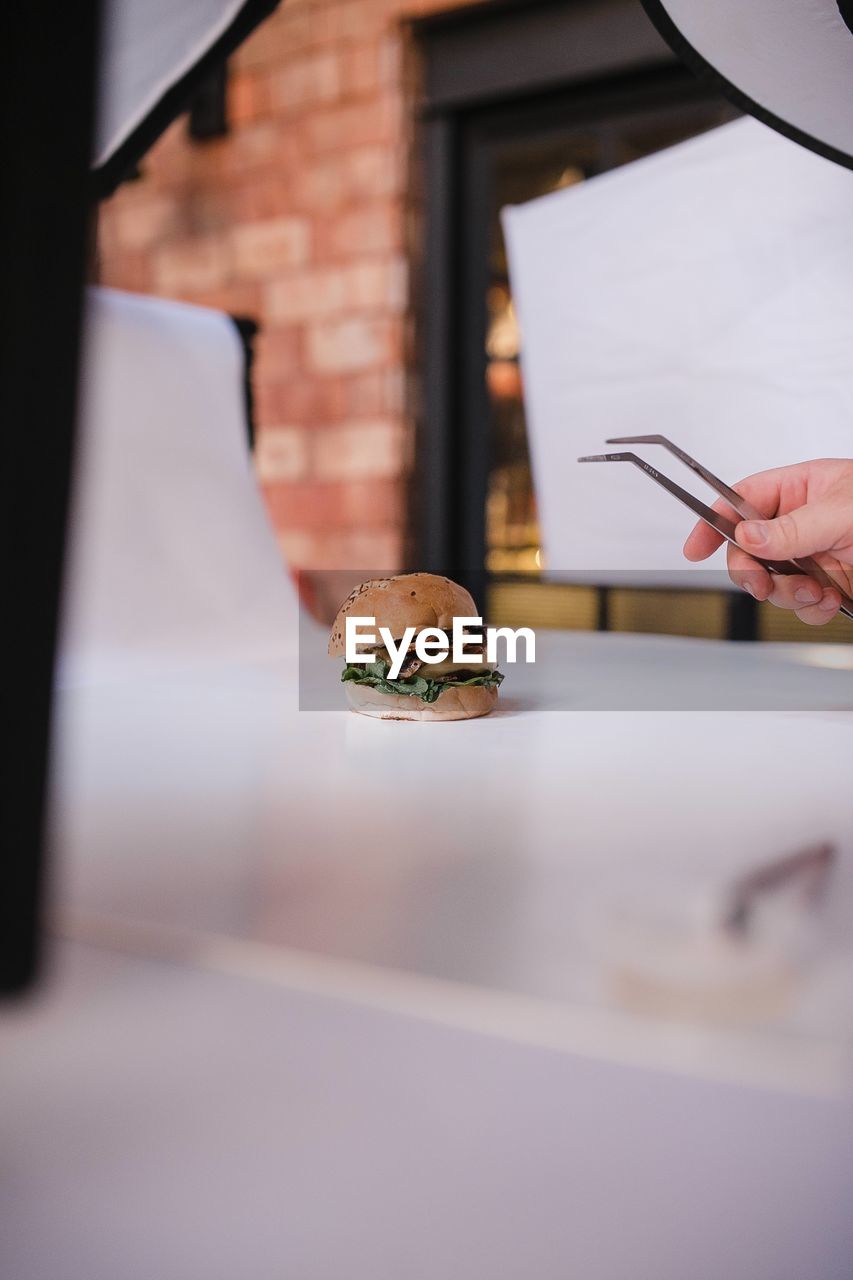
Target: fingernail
(754, 532)
(752, 589)
(828, 601)
(806, 595)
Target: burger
(419, 690)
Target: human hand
(810, 513)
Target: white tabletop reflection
(574, 858)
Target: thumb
(817, 526)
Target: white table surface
(162, 1120)
(500, 854)
(342, 997)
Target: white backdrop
(705, 293)
(172, 558)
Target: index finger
(762, 490)
(702, 540)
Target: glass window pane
(525, 166)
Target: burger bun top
(407, 600)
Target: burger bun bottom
(459, 702)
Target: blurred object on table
(735, 953)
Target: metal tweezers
(726, 528)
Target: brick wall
(299, 218)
